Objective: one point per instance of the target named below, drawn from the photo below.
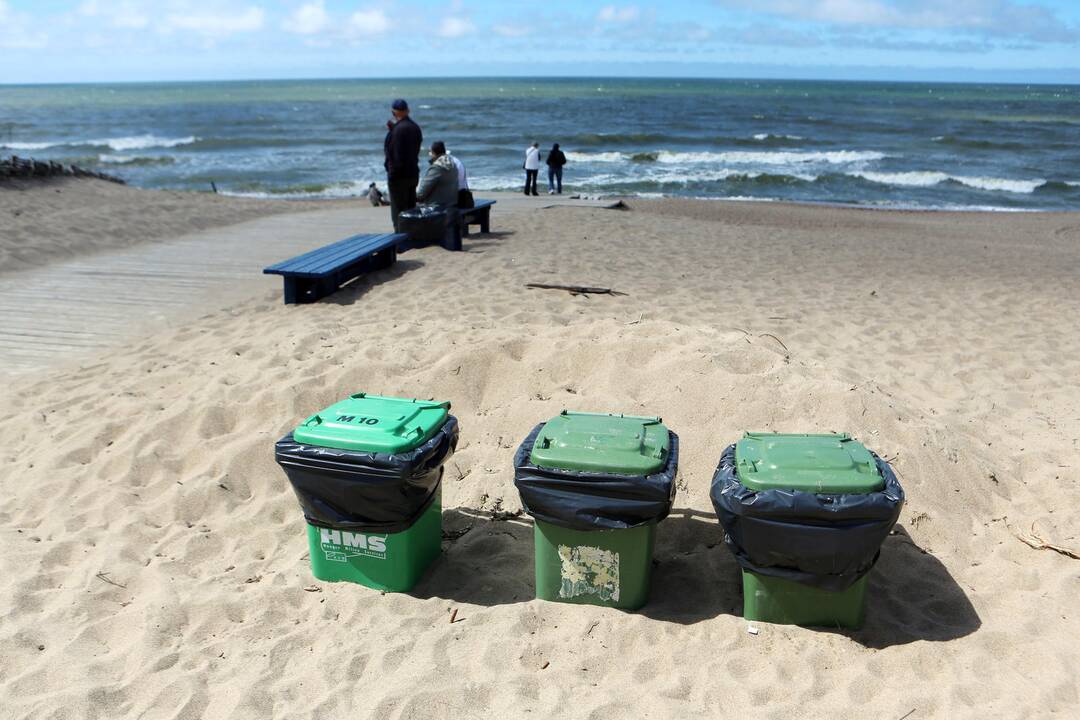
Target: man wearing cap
(402, 149)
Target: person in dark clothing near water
(402, 149)
(555, 161)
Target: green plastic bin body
(599, 567)
(833, 463)
(611, 568)
(392, 562)
(786, 602)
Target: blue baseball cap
(400, 105)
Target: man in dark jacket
(402, 149)
(555, 161)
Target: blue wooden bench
(479, 214)
(319, 273)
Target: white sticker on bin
(589, 571)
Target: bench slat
(342, 252)
(327, 260)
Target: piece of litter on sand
(751, 629)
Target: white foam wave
(929, 179)
(119, 144)
(749, 157)
(603, 157)
(1073, 183)
(27, 145)
(354, 188)
(778, 157)
(143, 142)
(776, 136)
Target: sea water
(908, 145)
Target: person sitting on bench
(439, 188)
(439, 185)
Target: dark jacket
(556, 158)
(402, 148)
(440, 184)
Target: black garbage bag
(424, 223)
(594, 501)
(827, 541)
(366, 491)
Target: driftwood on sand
(575, 289)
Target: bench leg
(290, 291)
(383, 259)
(485, 220)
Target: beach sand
(47, 221)
(155, 563)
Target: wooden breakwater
(17, 168)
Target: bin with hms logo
(368, 474)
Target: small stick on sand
(1036, 542)
(776, 339)
(907, 714)
(104, 577)
(575, 289)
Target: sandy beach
(155, 563)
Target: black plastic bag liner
(827, 541)
(594, 501)
(424, 223)
(366, 491)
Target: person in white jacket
(532, 168)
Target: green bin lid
(597, 442)
(371, 423)
(833, 463)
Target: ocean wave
(931, 178)
(771, 157)
(119, 144)
(975, 144)
(309, 191)
(588, 139)
(135, 160)
(776, 136)
(736, 157)
(603, 157)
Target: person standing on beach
(465, 198)
(402, 150)
(532, 168)
(555, 161)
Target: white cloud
(511, 31)
(309, 19)
(999, 18)
(615, 14)
(368, 22)
(15, 32)
(453, 27)
(126, 15)
(211, 24)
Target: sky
(157, 40)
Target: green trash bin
(367, 471)
(596, 486)
(805, 516)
